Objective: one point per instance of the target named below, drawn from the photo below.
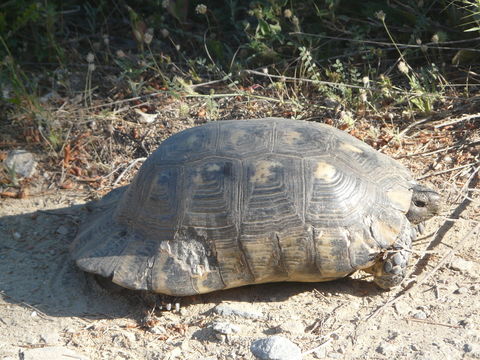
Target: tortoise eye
(419, 203)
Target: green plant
(12, 75)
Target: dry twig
(456, 121)
(448, 170)
(127, 169)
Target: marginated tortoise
(240, 202)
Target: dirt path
(48, 307)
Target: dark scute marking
(340, 253)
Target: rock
(224, 328)
(157, 330)
(275, 348)
(402, 308)
(51, 353)
(130, 336)
(420, 315)
(473, 350)
(21, 162)
(461, 265)
(226, 310)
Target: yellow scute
(400, 197)
(263, 171)
(349, 147)
(324, 171)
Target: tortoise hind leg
(390, 270)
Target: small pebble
(461, 290)
(402, 308)
(157, 330)
(420, 315)
(223, 309)
(461, 265)
(221, 337)
(34, 314)
(17, 235)
(275, 348)
(183, 311)
(130, 336)
(467, 348)
(224, 328)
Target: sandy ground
(49, 308)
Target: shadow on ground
(36, 271)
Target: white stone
(224, 328)
(21, 162)
(275, 348)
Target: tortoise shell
(232, 203)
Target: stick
(463, 118)
(448, 170)
(434, 323)
(253, 72)
(318, 347)
(431, 152)
(127, 169)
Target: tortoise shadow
(36, 271)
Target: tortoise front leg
(391, 268)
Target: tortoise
(239, 202)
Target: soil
(47, 303)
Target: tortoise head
(425, 204)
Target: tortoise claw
(392, 270)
